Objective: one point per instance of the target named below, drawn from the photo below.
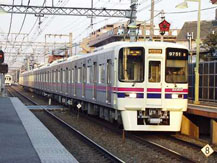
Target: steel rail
(105, 152)
(99, 148)
(168, 151)
(157, 146)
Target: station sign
(207, 150)
(177, 54)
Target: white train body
(142, 85)
(8, 79)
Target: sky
(80, 25)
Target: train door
(94, 80)
(154, 83)
(108, 81)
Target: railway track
(153, 145)
(14, 93)
(102, 152)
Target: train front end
(152, 86)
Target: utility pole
(132, 25)
(162, 19)
(70, 44)
(144, 30)
(152, 20)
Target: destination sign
(175, 53)
(155, 51)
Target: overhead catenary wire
(30, 29)
(185, 12)
(24, 19)
(9, 30)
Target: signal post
(3, 71)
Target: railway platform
(23, 138)
(200, 120)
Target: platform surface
(23, 138)
(203, 110)
(15, 145)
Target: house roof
(206, 27)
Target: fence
(208, 81)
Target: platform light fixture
(185, 5)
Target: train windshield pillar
(176, 65)
(131, 64)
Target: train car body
(142, 85)
(8, 79)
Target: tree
(210, 44)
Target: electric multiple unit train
(8, 79)
(142, 85)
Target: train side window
(54, 76)
(89, 74)
(64, 76)
(84, 74)
(154, 71)
(61, 75)
(72, 79)
(109, 67)
(94, 72)
(58, 77)
(45, 74)
(47, 77)
(101, 73)
(75, 75)
(50, 76)
(69, 76)
(79, 75)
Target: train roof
(8, 75)
(111, 46)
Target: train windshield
(176, 65)
(131, 64)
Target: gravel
(129, 151)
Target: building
(188, 34)
(119, 32)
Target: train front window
(176, 65)
(131, 64)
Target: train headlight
(174, 95)
(177, 96)
(132, 95)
